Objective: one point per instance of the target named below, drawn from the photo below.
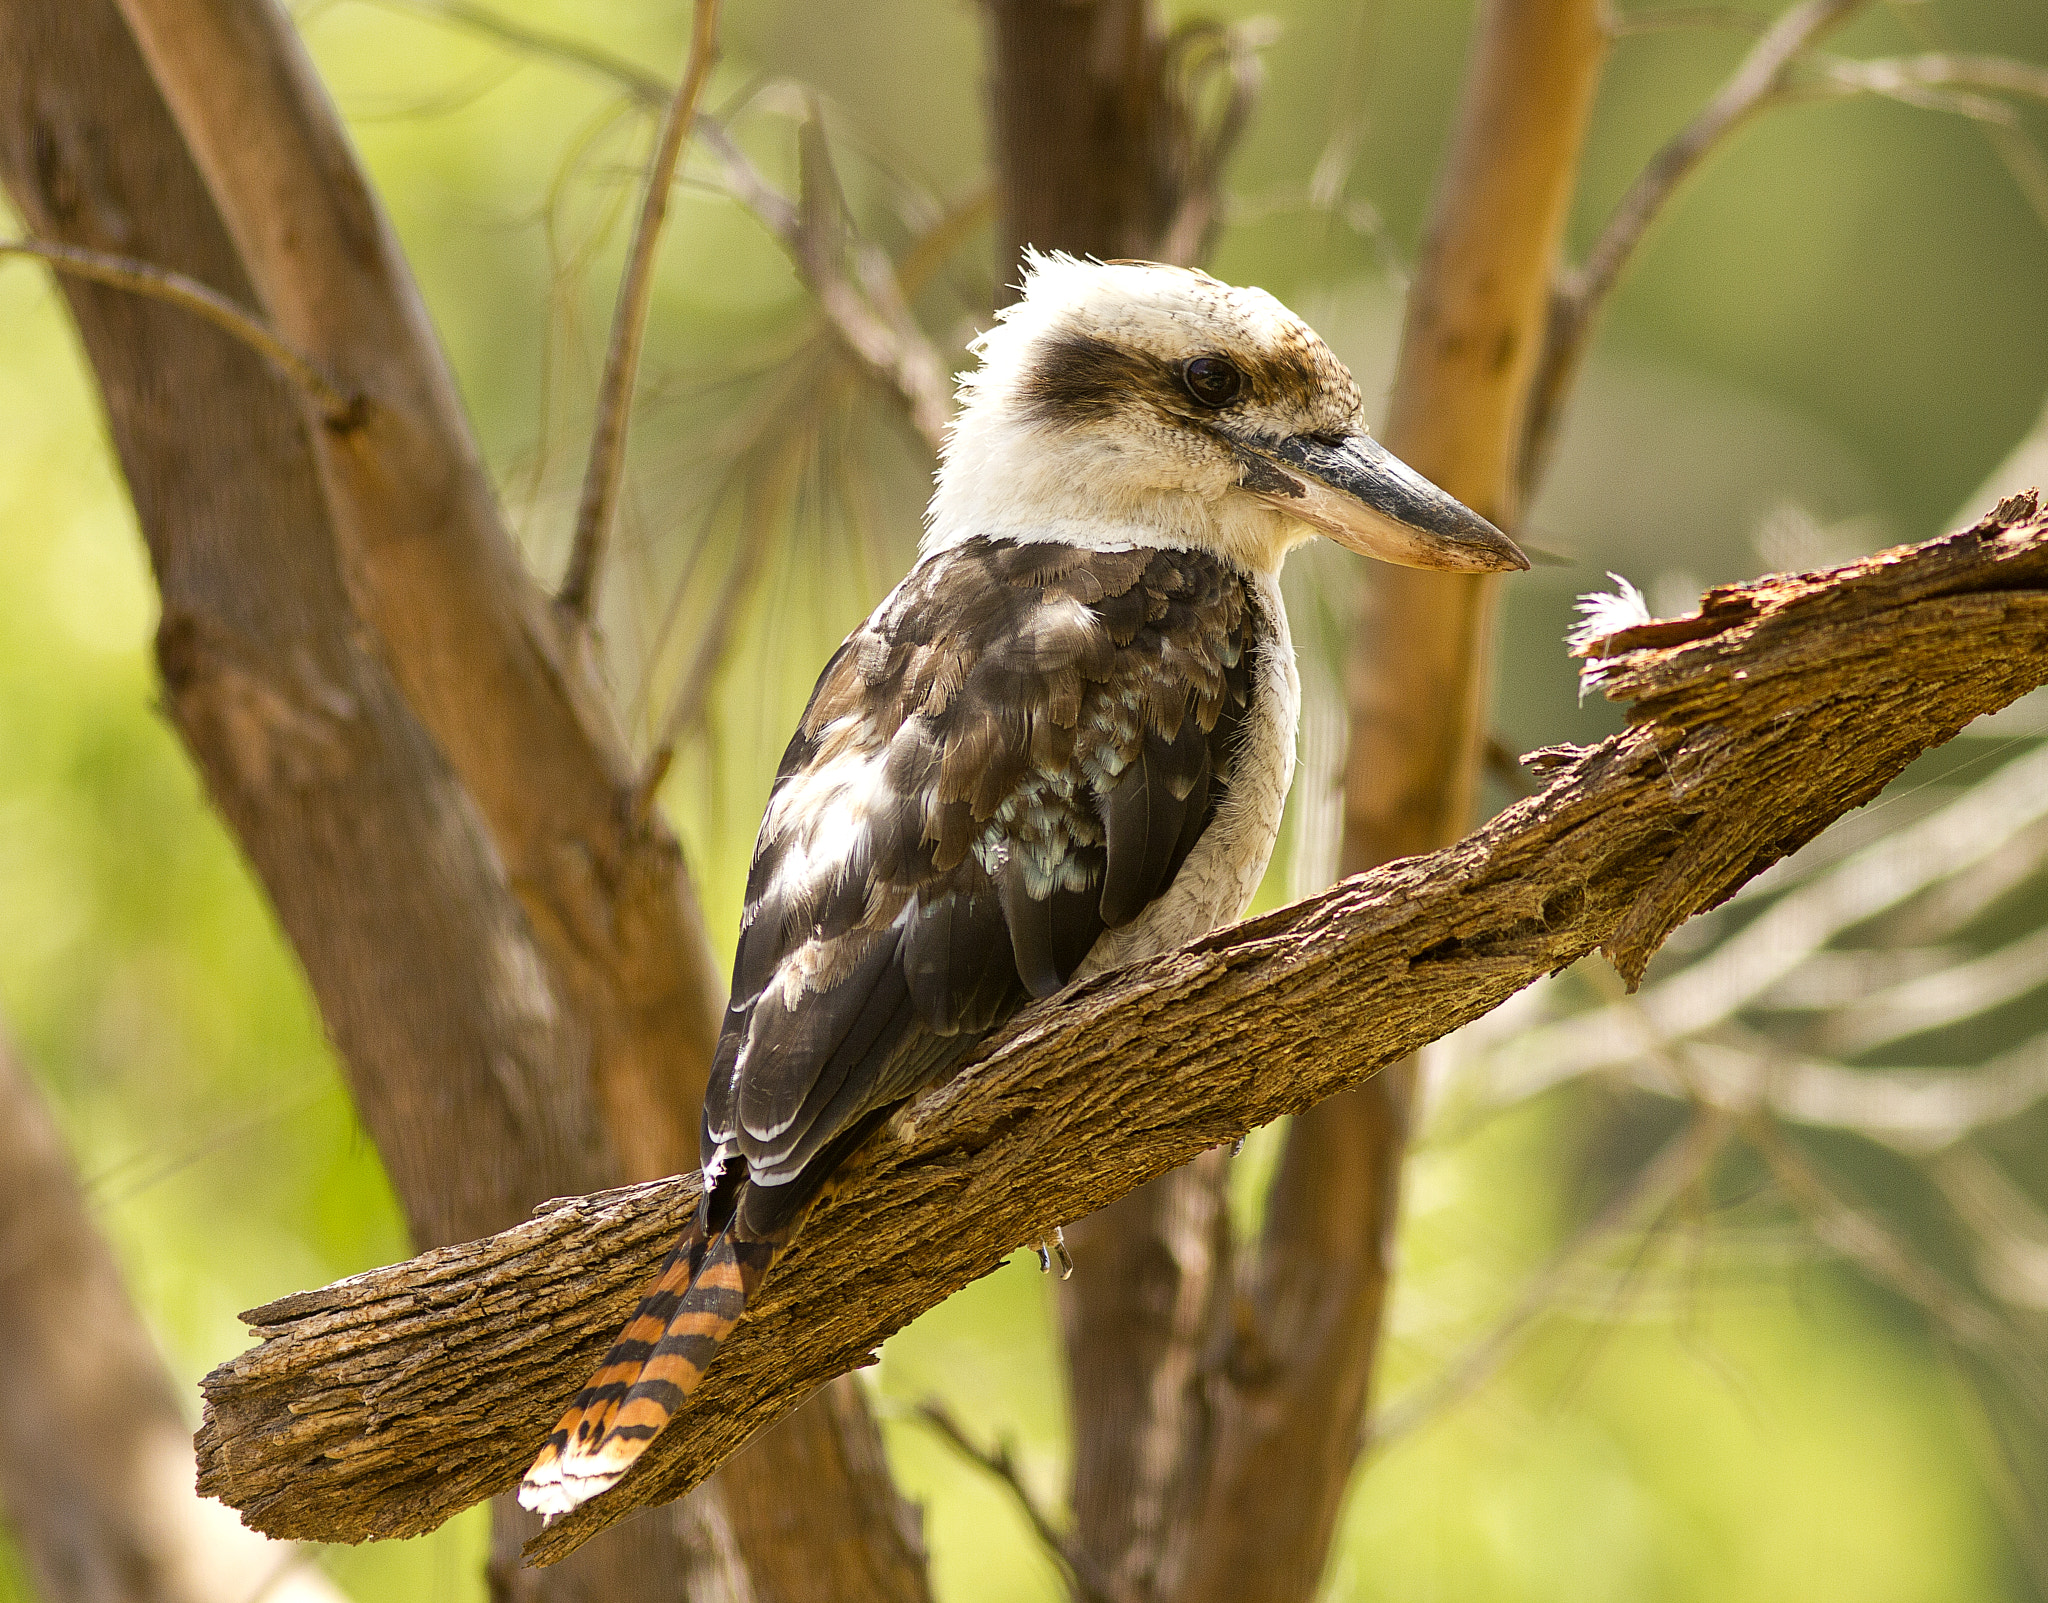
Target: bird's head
(1126, 401)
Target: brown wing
(1014, 754)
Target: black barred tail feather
(695, 1301)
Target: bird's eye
(1213, 380)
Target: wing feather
(1016, 753)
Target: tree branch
(856, 285)
(337, 407)
(383, 1404)
(1907, 76)
(1761, 80)
(473, 642)
(1705, 998)
(629, 325)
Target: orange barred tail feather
(695, 1301)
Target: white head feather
(1020, 465)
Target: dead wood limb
(383, 1404)
(629, 324)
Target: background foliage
(1837, 333)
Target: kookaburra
(1062, 743)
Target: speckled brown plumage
(1013, 755)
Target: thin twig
(1897, 75)
(871, 316)
(2009, 1229)
(769, 483)
(337, 407)
(2023, 158)
(1667, 18)
(1929, 1001)
(1886, 874)
(1760, 81)
(629, 325)
(1086, 1582)
(1233, 50)
(866, 305)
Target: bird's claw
(1055, 1247)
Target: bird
(1062, 743)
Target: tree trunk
(1082, 127)
(472, 1006)
(1218, 1395)
(1087, 162)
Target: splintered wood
(383, 1404)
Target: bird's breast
(1222, 873)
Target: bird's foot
(1054, 1247)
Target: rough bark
(468, 1053)
(383, 1404)
(95, 1459)
(465, 1061)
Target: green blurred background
(1840, 328)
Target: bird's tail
(700, 1294)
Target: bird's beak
(1366, 499)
